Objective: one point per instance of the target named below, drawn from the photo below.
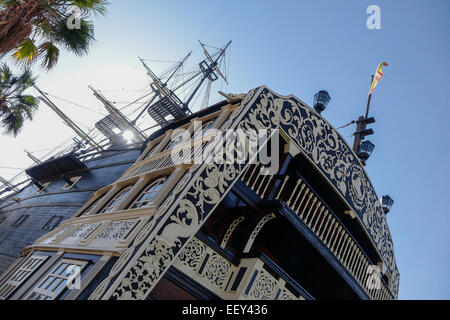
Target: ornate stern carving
(204, 186)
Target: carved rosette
(192, 253)
(216, 270)
(287, 295)
(264, 287)
(84, 231)
(117, 230)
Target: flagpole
(368, 99)
(361, 123)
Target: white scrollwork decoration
(210, 182)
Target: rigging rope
(75, 104)
(146, 95)
(346, 125)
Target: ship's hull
(170, 228)
(26, 215)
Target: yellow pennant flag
(377, 77)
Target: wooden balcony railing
(265, 280)
(249, 280)
(314, 212)
(154, 163)
(165, 160)
(259, 284)
(255, 178)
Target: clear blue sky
(300, 47)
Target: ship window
(89, 210)
(204, 129)
(177, 140)
(21, 274)
(61, 277)
(146, 197)
(74, 182)
(44, 185)
(52, 223)
(112, 204)
(149, 151)
(19, 221)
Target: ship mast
(32, 157)
(158, 81)
(169, 104)
(162, 106)
(83, 135)
(114, 111)
(209, 69)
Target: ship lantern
(365, 150)
(321, 100)
(386, 203)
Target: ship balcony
(306, 208)
(163, 161)
(249, 278)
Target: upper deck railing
(329, 229)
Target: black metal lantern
(386, 203)
(321, 100)
(365, 150)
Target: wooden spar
(32, 157)
(211, 68)
(6, 183)
(113, 110)
(214, 63)
(68, 121)
(361, 124)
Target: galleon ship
(125, 212)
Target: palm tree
(15, 106)
(35, 30)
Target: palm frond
(46, 21)
(97, 7)
(49, 54)
(15, 106)
(12, 124)
(7, 80)
(25, 52)
(29, 102)
(75, 40)
(25, 109)
(26, 78)
(5, 74)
